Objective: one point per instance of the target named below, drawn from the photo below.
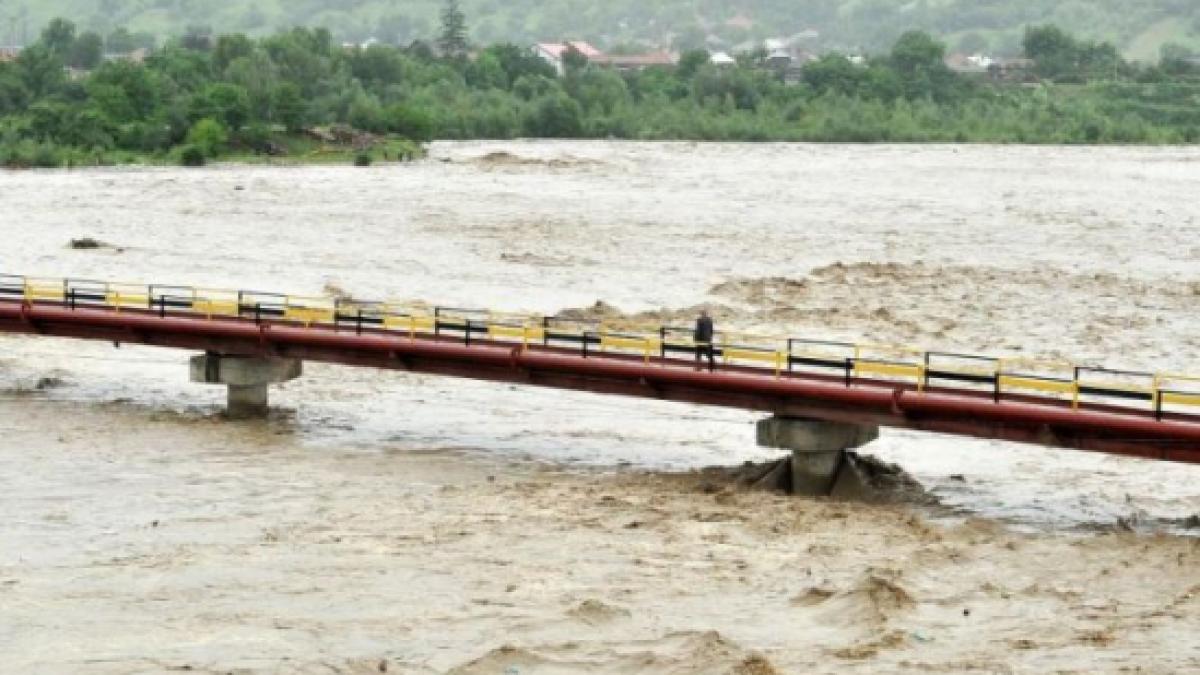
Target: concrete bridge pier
(818, 449)
(247, 379)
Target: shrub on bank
(191, 155)
(29, 154)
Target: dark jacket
(704, 330)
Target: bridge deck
(988, 401)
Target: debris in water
(87, 243)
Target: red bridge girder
(1090, 426)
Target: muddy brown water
(441, 525)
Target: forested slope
(1137, 27)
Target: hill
(1138, 27)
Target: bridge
(824, 397)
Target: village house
(137, 56)
(994, 68)
(9, 54)
(722, 59)
(553, 52)
(969, 64)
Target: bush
(47, 156)
(412, 123)
(555, 116)
(209, 136)
(256, 137)
(190, 155)
(366, 115)
(363, 159)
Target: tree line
(990, 26)
(206, 95)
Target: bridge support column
(818, 449)
(246, 377)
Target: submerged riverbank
(272, 149)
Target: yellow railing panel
(524, 333)
(646, 346)
(777, 359)
(211, 307)
(45, 292)
(1119, 386)
(1162, 380)
(1180, 399)
(411, 324)
(620, 342)
(308, 315)
(889, 369)
(1035, 384)
(126, 300)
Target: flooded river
(432, 525)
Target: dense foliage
(231, 92)
(1138, 27)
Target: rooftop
(557, 49)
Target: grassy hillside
(1138, 27)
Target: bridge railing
(668, 345)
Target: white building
(553, 52)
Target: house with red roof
(553, 52)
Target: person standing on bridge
(703, 338)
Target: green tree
(835, 73)
(917, 53)
(132, 41)
(692, 61)
(555, 115)
(58, 36)
(289, 106)
(518, 62)
(366, 114)
(303, 57)
(120, 41)
(378, 66)
(1054, 52)
(409, 121)
(573, 60)
(452, 41)
(41, 70)
(197, 38)
(14, 97)
(919, 62)
(209, 136)
(224, 102)
(529, 87)
(87, 51)
(229, 48)
(599, 90)
(1177, 60)
(125, 91)
(257, 74)
(486, 72)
